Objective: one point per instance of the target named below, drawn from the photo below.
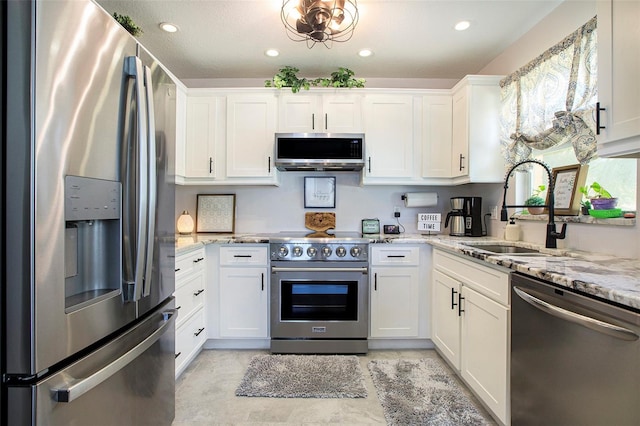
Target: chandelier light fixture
(319, 21)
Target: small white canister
(512, 231)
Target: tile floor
(205, 395)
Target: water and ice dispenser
(92, 255)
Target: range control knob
(341, 251)
(297, 251)
(356, 251)
(311, 251)
(326, 251)
(283, 251)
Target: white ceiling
(410, 39)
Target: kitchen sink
(505, 249)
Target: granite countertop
(607, 277)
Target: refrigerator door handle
(135, 199)
(152, 181)
(78, 387)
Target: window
(617, 175)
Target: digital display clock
(370, 226)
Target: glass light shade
(185, 223)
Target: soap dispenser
(512, 231)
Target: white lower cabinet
(470, 326)
(244, 292)
(190, 286)
(394, 291)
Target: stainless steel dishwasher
(575, 360)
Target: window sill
(618, 221)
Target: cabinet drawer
(189, 339)
(187, 263)
(252, 255)
(489, 281)
(386, 255)
(190, 296)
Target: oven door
(312, 301)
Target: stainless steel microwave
(319, 151)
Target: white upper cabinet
(618, 83)
(476, 153)
(320, 113)
(251, 126)
(203, 127)
(436, 136)
(389, 137)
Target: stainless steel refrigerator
(88, 221)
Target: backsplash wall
(261, 209)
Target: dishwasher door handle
(583, 320)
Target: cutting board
(317, 221)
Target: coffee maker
(465, 217)
(473, 216)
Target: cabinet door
(445, 322)
(200, 143)
(300, 114)
(340, 114)
(436, 136)
(618, 70)
(243, 302)
(485, 348)
(460, 134)
(394, 302)
(389, 136)
(251, 125)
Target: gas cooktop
(324, 237)
(319, 246)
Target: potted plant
(599, 198)
(535, 203)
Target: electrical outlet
(396, 211)
(494, 212)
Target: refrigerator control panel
(91, 199)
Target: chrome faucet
(552, 234)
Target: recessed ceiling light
(364, 53)
(462, 25)
(168, 27)
(271, 52)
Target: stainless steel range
(319, 293)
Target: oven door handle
(281, 269)
(592, 323)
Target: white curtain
(552, 100)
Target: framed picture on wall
(566, 181)
(320, 192)
(216, 213)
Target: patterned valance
(551, 100)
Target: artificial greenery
(536, 199)
(287, 77)
(128, 24)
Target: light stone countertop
(607, 277)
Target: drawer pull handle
(262, 281)
(396, 255)
(200, 259)
(178, 307)
(460, 310)
(200, 330)
(598, 126)
(375, 281)
(177, 269)
(178, 354)
(453, 299)
(242, 255)
(197, 293)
